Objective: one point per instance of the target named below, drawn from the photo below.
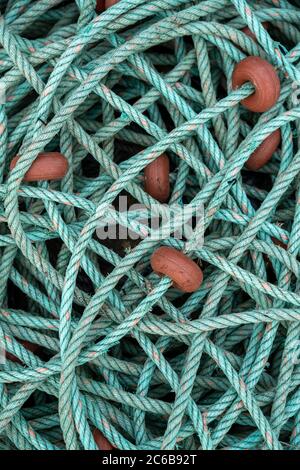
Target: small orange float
(265, 80)
(102, 5)
(101, 441)
(185, 273)
(251, 35)
(264, 152)
(157, 178)
(47, 166)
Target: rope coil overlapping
(119, 349)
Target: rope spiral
(94, 339)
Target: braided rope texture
(119, 349)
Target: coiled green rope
(119, 349)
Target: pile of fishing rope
(99, 351)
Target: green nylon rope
(118, 348)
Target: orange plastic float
(185, 273)
(265, 80)
(251, 35)
(157, 179)
(110, 3)
(104, 5)
(264, 152)
(47, 166)
(101, 441)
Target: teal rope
(119, 348)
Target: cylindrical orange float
(185, 273)
(47, 166)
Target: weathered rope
(119, 349)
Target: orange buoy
(157, 178)
(185, 273)
(264, 152)
(47, 166)
(101, 441)
(265, 80)
(251, 35)
(102, 5)
(110, 3)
